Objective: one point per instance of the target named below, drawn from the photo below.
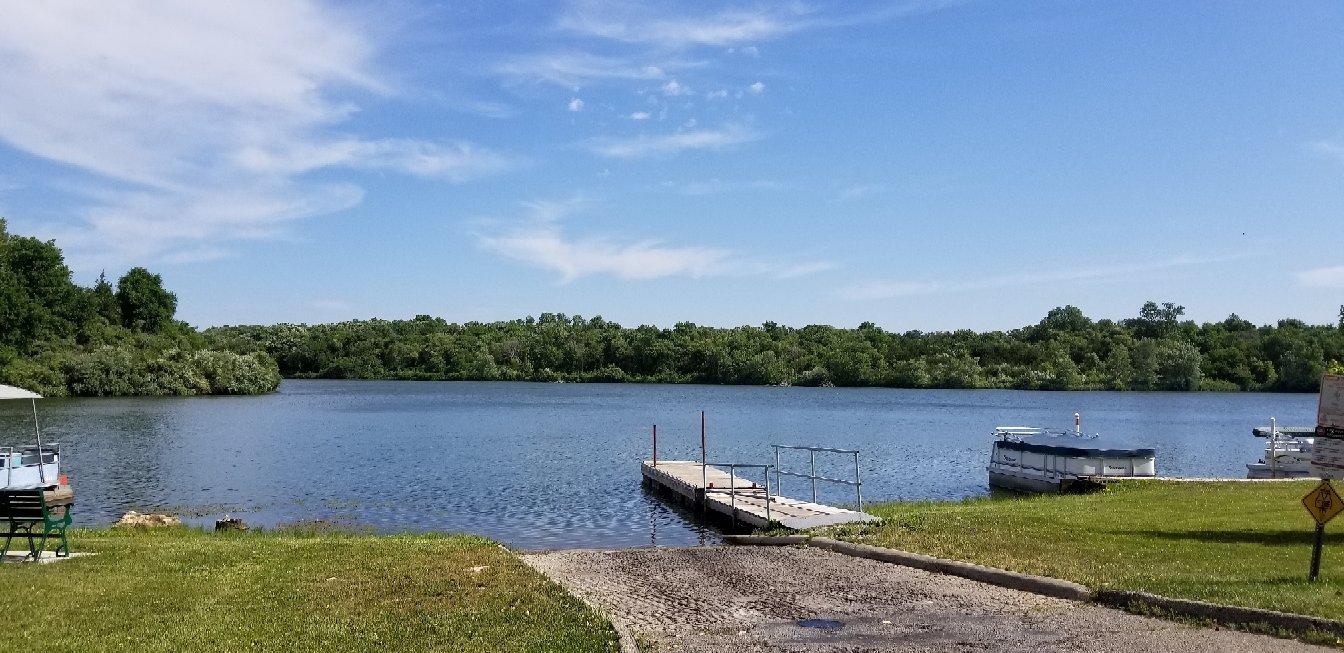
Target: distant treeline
(1157, 350)
(59, 338)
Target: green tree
(1178, 365)
(103, 300)
(145, 304)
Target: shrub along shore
(1243, 544)
(178, 589)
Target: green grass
(1246, 544)
(179, 589)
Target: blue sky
(923, 165)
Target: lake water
(557, 465)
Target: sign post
(1323, 503)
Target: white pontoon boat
(1288, 451)
(1033, 459)
(28, 467)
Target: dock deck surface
(747, 504)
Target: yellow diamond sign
(1323, 503)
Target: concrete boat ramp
(734, 495)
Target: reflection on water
(556, 465)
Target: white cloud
(757, 88)
(574, 69)
(1332, 149)
(858, 191)
(639, 115)
(198, 121)
(1328, 277)
(718, 94)
(575, 105)
(635, 24)
(454, 162)
(540, 242)
(648, 24)
(715, 186)
(642, 146)
(803, 269)
(675, 88)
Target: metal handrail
(819, 478)
(732, 484)
(812, 456)
(806, 448)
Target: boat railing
(27, 456)
(1019, 432)
(732, 484)
(812, 475)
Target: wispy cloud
(858, 191)
(674, 88)
(717, 186)
(1328, 277)
(634, 23)
(652, 23)
(696, 139)
(892, 289)
(1333, 149)
(806, 269)
(198, 125)
(539, 240)
(576, 68)
(454, 162)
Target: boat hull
(1017, 482)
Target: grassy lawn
(178, 589)
(1245, 544)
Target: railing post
(732, 491)
(767, 496)
(776, 468)
(813, 455)
(655, 445)
(858, 483)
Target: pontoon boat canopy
(1077, 447)
(11, 392)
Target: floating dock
(739, 499)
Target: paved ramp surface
(747, 599)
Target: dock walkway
(747, 505)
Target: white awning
(11, 392)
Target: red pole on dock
(655, 445)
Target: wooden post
(1316, 553)
(655, 445)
